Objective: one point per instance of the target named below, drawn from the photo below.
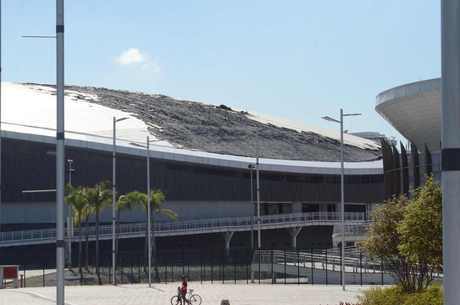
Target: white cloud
(137, 58)
(130, 56)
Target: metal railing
(319, 266)
(201, 226)
(316, 259)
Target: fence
(308, 266)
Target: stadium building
(207, 173)
(415, 111)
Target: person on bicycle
(183, 291)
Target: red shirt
(183, 289)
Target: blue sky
(293, 59)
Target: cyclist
(183, 291)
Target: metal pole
(1, 117)
(259, 240)
(149, 225)
(70, 218)
(451, 148)
(342, 202)
(70, 162)
(60, 167)
(252, 206)
(114, 190)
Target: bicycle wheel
(195, 299)
(175, 300)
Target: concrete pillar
(228, 238)
(296, 207)
(450, 10)
(323, 207)
(294, 232)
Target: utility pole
(60, 166)
(342, 203)
(251, 168)
(1, 188)
(259, 237)
(114, 196)
(450, 23)
(342, 189)
(149, 222)
(70, 169)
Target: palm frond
(168, 213)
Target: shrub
(383, 296)
(396, 296)
(431, 296)
(406, 234)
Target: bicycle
(190, 298)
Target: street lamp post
(251, 167)
(60, 149)
(149, 209)
(149, 221)
(342, 190)
(259, 237)
(60, 168)
(1, 116)
(114, 197)
(149, 226)
(70, 169)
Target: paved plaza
(237, 294)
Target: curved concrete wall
(415, 111)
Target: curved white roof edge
(410, 89)
(414, 110)
(35, 104)
(205, 158)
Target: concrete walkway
(239, 294)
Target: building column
(296, 207)
(228, 238)
(294, 232)
(322, 207)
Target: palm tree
(99, 197)
(76, 199)
(128, 201)
(157, 200)
(89, 213)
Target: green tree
(406, 234)
(383, 239)
(421, 233)
(78, 202)
(157, 200)
(99, 197)
(129, 201)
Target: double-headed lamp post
(342, 189)
(149, 208)
(114, 196)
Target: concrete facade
(415, 111)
